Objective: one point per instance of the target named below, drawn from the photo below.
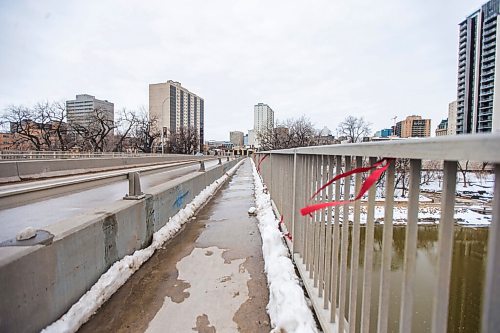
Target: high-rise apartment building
(80, 111)
(263, 120)
(452, 118)
(477, 99)
(173, 107)
(263, 117)
(413, 126)
(236, 137)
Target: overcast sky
(322, 59)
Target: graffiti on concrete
(179, 200)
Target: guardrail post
(220, 161)
(228, 158)
(202, 166)
(134, 187)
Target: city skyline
(387, 59)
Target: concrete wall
(40, 283)
(12, 171)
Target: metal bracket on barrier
(228, 158)
(134, 187)
(202, 166)
(220, 161)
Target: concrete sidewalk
(209, 278)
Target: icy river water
(468, 273)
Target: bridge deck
(209, 278)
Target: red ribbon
(372, 179)
(288, 234)
(260, 162)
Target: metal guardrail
(320, 245)
(33, 155)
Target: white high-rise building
(80, 111)
(173, 107)
(263, 117)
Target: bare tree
(274, 138)
(95, 133)
(146, 132)
(402, 172)
(463, 170)
(186, 140)
(288, 134)
(41, 127)
(302, 132)
(126, 122)
(354, 129)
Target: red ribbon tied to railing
(260, 162)
(379, 167)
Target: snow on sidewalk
(121, 270)
(287, 306)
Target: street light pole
(162, 127)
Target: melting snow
(287, 306)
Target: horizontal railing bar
(473, 147)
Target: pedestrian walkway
(209, 278)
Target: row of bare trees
(44, 127)
(300, 132)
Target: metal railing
(322, 249)
(33, 155)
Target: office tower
(80, 111)
(413, 126)
(236, 137)
(477, 99)
(173, 107)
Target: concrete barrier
(40, 283)
(11, 171)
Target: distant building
(80, 111)
(325, 137)
(216, 144)
(413, 126)
(245, 140)
(251, 138)
(452, 118)
(442, 128)
(173, 107)
(7, 141)
(384, 133)
(263, 119)
(477, 99)
(237, 138)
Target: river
(467, 277)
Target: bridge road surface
(209, 278)
(51, 210)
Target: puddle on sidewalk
(209, 278)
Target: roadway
(64, 205)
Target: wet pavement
(209, 278)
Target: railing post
(410, 248)
(491, 303)
(384, 297)
(294, 201)
(344, 248)
(445, 248)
